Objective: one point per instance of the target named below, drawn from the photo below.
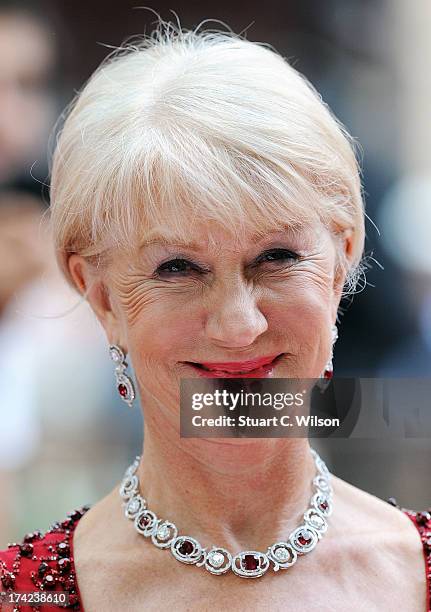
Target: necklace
(246, 564)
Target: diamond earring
(328, 372)
(125, 385)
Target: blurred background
(65, 436)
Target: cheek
(305, 294)
(160, 320)
(299, 312)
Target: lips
(251, 367)
(238, 367)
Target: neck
(235, 493)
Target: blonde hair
(180, 126)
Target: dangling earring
(328, 372)
(124, 383)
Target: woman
(208, 205)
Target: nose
(234, 318)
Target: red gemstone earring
(328, 372)
(124, 383)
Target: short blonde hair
(181, 126)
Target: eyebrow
(164, 240)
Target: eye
(176, 266)
(278, 255)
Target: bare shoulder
(372, 515)
(112, 571)
(382, 540)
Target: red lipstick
(238, 366)
(261, 367)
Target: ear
(345, 239)
(96, 293)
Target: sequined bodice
(43, 563)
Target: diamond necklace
(248, 563)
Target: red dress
(43, 563)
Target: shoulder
(43, 561)
(367, 528)
(380, 525)
(422, 521)
(373, 515)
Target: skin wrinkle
(131, 291)
(138, 291)
(234, 311)
(131, 286)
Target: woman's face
(218, 300)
